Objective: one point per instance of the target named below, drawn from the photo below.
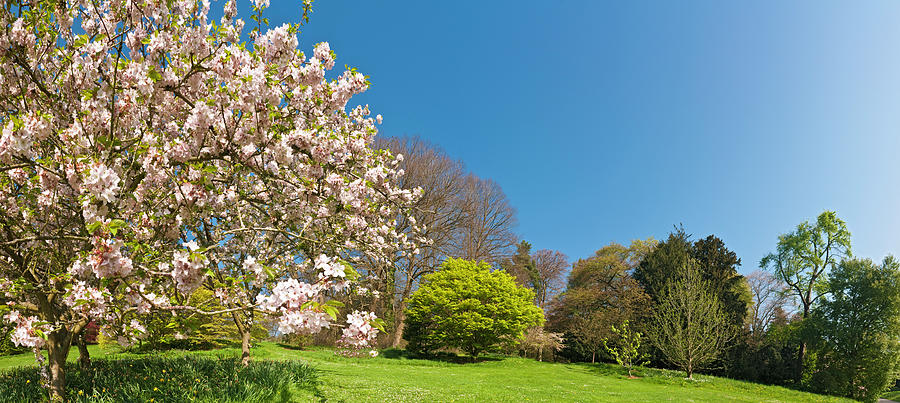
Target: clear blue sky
(608, 121)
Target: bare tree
(442, 181)
(550, 269)
(769, 295)
(462, 216)
(486, 233)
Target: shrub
(164, 379)
(467, 306)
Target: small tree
(689, 325)
(627, 350)
(538, 340)
(467, 306)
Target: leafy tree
(858, 329)
(718, 266)
(656, 269)
(627, 349)
(521, 266)
(467, 306)
(803, 258)
(600, 294)
(689, 325)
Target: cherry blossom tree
(147, 149)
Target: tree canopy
(468, 306)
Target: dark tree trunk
(399, 324)
(58, 344)
(84, 356)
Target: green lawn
(895, 396)
(394, 378)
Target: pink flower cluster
(24, 333)
(188, 268)
(359, 332)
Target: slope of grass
(394, 377)
(895, 396)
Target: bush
(6, 345)
(467, 306)
(164, 379)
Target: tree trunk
(244, 330)
(593, 357)
(84, 356)
(541, 354)
(399, 324)
(58, 344)
(245, 348)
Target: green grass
(895, 395)
(393, 377)
(192, 378)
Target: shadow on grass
(291, 347)
(442, 356)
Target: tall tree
(548, 281)
(486, 231)
(689, 324)
(803, 258)
(521, 265)
(439, 211)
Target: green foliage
(627, 349)
(600, 294)
(770, 360)
(689, 325)
(465, 305)
(164, 379)
(717, 264)
(194, 331)
(803, 258)
(858, 327)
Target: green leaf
(335, 303)
(378, 323)
(331, 311)
(154, 75)
(92, 227)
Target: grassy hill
(393, 377)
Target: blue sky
(608, 121)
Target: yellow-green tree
(467, 306)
